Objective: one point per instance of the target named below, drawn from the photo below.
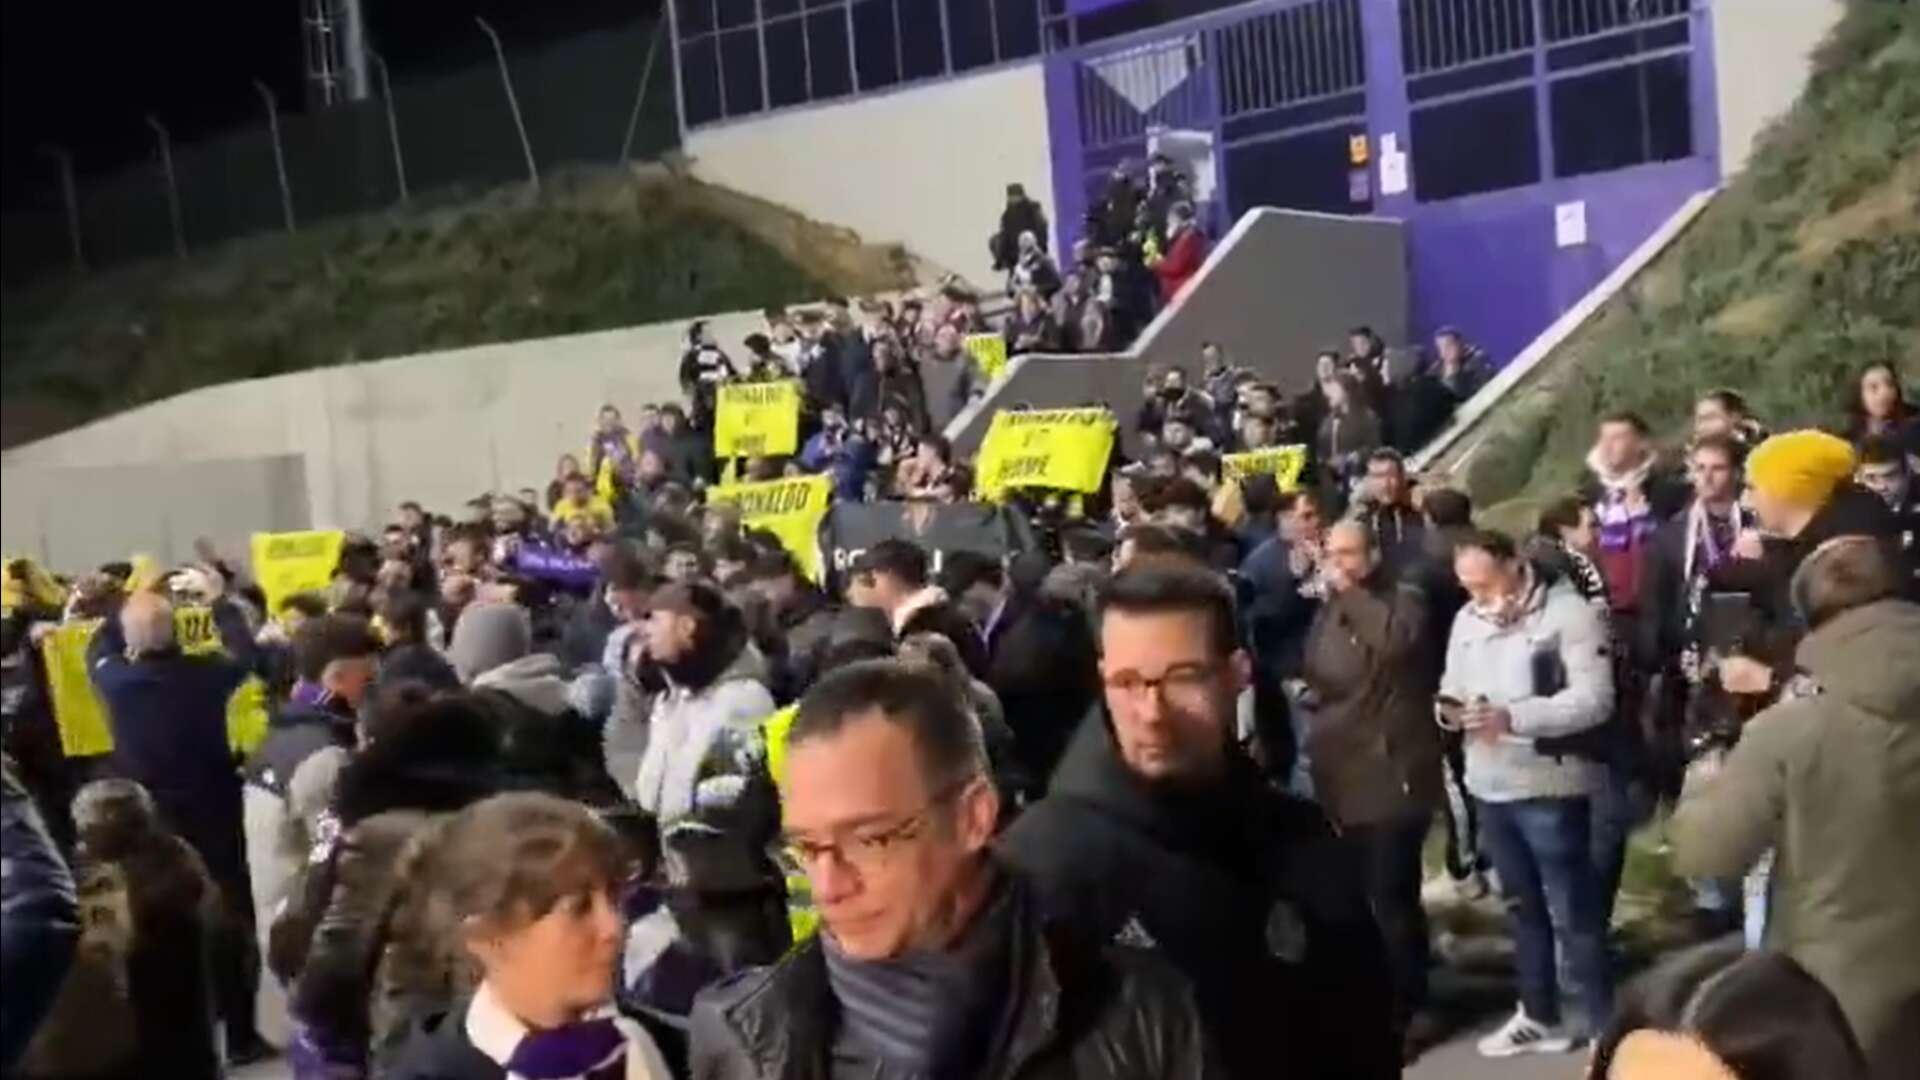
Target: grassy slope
(1805, 268)
(595, 250)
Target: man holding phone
(1527, 662)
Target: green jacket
(1832, 783)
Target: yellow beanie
(1800, 467)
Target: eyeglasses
(1181, 682)
(868, 850)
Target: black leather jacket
(39, 922)
(1084, 1013)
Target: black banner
(852, 528)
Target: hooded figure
(371, 962)
(544, 743)
(1832, 783)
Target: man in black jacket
(933, 959)
(1040, 656)
(1022, 214)
(804, 614)
(1683, 621)
(1885, 470)
(892, 576)
(408, 656)
(1157, 829)
(1385, 506)
(1173, 399)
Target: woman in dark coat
(1350, 431)
(363, 958)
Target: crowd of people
(600, 781)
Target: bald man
(146, 620)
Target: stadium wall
(926, 166)
(77, 518)
(1764, 51)
(439, 427)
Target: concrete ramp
(1280, 286)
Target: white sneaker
(1522, 1034)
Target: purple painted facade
(1487, 262)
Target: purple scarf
(313, 696)
(586, 1050)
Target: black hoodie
(1245, 890)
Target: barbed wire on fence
(596, 98)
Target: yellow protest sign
(294, 562)
(1283, 463)
(145, 573)
(77, 709)
(790, 509)
(247, 716)
(26, 582)
(757, 419)
(990, 352)
(81, 716)
(193, 628)
(1064, 449)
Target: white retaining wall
(1762, 57)
(438, 427)
(926, 166)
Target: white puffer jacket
(1558, 637)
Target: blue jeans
(1543, 851)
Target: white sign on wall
(1393, 164)
(1570, 224)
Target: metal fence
(1507, 93)
(1276, 94)
(744, 57)
(603, 97)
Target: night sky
(82, 75)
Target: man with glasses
(932, 959)
(1158, 829)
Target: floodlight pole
(173, 190)
(393, 122)
(640, 95)
(279, 155)
(513, 101)
(71, 197)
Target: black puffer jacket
(1244, 890)
(1083, 1013)
(365, 959)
